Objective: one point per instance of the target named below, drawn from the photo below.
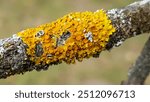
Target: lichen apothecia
(75, 36)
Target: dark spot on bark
(38, 49)
(63, 38)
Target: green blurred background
(110, 68)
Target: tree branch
(130, 21)
(72, 37)
(140, 70)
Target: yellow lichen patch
(75, 36)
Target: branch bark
(140, 70)
(129, 22)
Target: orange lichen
(75, 36)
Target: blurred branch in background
(140, 70)
(128, 22)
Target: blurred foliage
(110, 68)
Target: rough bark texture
(140, 70)
(13, 58)
(129, 22)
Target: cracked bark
(129, 22)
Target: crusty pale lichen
(75, 36)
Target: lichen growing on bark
(75, 36)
